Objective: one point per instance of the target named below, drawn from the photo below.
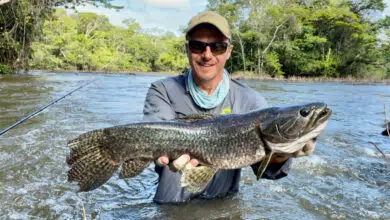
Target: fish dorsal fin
(196, 117)
(195, 179)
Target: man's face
(207, 66)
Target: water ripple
(345, 178)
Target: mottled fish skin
(224, 142)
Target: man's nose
(207, 54)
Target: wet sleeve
(274, 171)
(157, 105)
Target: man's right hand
(184, 161)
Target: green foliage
(88, 42)
(4, 69)
(278, 37)
(308, 38)
(173, 58)
(21, 21)
(272, 63)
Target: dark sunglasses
(216, 48)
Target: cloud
(387, 10)
(174, 4)
(163, 14)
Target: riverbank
(240, 76)
(108, 72)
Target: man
(206, 88)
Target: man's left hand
(307, 150)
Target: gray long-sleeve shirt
(168, 99)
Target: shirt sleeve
(274, 171)
(157, 104)
(259, 101)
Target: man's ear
(229, 52)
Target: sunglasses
(216, 48)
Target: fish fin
(131, 168)
(263, 165)
(89, 165)
(195, 179)
(91, 170)
(196, 117)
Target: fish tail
(90, 166)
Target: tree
(21, 21)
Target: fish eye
(304, 112)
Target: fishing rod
(42, 108)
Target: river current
(345, 178)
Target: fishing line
(42, 108)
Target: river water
(345, 178)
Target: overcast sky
(168, 15)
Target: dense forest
(332, 38)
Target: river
(345, 178)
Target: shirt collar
(187, 90)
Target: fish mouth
(295, 145)
(314, 127)
(323, 115)
(320, 123)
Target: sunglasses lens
(199, 47)
(218, 47)
(196, 46)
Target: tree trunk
(259, 61)
(242, 50)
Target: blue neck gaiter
(204, 100)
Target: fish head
(287, 129)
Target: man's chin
(206, 76)
(206, 73)
(206, 69)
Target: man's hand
(307, 150)
(184, 161)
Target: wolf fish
(218, 142)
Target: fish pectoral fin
(195, 179)
(263, 165)
(196, 117)
(131, 168)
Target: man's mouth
(206, 64)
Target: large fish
(223, 142)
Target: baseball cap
(212, 18)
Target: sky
(167, 15)
(387, 10)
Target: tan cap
(213, 18)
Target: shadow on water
(345, 178)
